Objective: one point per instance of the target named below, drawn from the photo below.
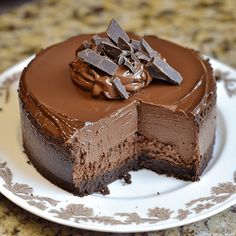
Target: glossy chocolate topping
(61, 107)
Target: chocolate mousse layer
(82, 143)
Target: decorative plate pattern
(129, 208)
(24, 191)
(79, 212)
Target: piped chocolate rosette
(117, 66)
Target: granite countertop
(208, 26)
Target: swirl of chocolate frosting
(99, 83)
(117, 66)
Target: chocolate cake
(95, 107)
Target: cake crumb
(28, 162)
(127, 178)
(104, 190)
(15, 231)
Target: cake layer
(170, 127)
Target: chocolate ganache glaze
(58, 115)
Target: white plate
(129, 208)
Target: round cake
(86, 124)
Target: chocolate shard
(130, 65)
(146, 47)
(96, 40)
(86, 44)
(142, 56)
(154, 71)
(101, 62)
(124, 45)
(134, 58)
(120, 88)
(99, 49)
(126, 53)
(106, 40)
(155, 74)
(114, 31)
(121, 60)
(160, 69)
(136, 45)
(111, 50)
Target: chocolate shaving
(124, 45)
(120, 88)
(111, 50)
(159, 67)
(126, 53)
(101, 62)
(114, 32)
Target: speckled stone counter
(208, 26)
